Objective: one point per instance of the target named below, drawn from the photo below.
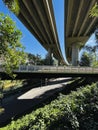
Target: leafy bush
(13, 5)
(76, 111)
(1, 96)
(1, 110)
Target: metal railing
(57, 69)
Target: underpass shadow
(19, 107)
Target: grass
(9, 83)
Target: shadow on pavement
(19, 107)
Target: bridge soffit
(80, 41)
(77, 18)
(86, 18)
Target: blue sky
(28, 40)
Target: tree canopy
(13, 5)
(85, 59)
(94, 11)
(90, 56)
(11, 50)
(35, 59)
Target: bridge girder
(38, 17)
(78, 24)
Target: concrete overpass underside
(38, 17)
(78, 26)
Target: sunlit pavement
(35, 92)
(21, 103)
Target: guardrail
(57, 69)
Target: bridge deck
(57, 69)
(31, 72)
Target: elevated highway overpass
(38, 17)
(78, 26)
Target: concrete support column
(50, 56)
(75, 54)
(58, 62)
(49, 52)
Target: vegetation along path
(21, 103)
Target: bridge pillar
(58, 62)
(75, 54)
(50, 57)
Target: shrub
(76, 111)
(1, 96)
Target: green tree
(94, 49)
(35, 59)
(11, 50)
(48, 60)
(31, 58)
(38, 59)
(92, 52)
(94, 11)
(13, 5)
(85, 59)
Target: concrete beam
(86, 16)
(29, 21)
(34, 16)
(68, 17)
(43, 19)
(71, 48)
(38, 17)
(90, 26)
(78, 25)
(72, 40)
(77, 18)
